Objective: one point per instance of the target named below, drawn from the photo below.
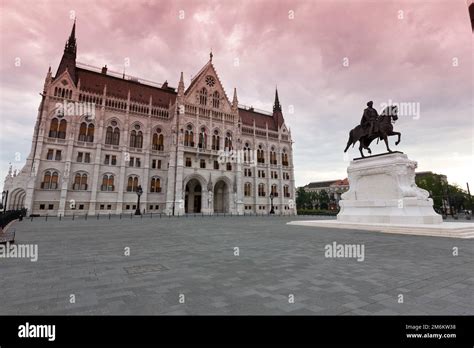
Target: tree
(323, 199)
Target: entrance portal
(193, 197)
(221, 197)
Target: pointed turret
(276, 104)
(68, 61)
(47, 80)
(181, 86)
(235, 101)
(277, 113)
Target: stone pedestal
(383, 190)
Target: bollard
(73, 217)
(97, 216)
(131, 216)
(120, 216)
(31, 218)
(85, 217)
(109, 216)
(46, 217)
(151, 215)
(59, 217)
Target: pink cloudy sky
(407, 59)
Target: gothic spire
(276, 104)
(235, 101)
(68, 60)
(71, 42)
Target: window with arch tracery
(155, 185)
(216, 139)
(286, 191)
(80, 182)
(261, 190)
(86, 132)
(132, 183)
(57, 129)
(202, 144)
(203, 96)
(50, 180)
(112, 135)
(215, 99)
(189, 136)
(136, 138)
(158, 140)
(107, 182)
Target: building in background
(100, 136)
(333, 188)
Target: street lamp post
(272, 211)
(4, 200)
(139, 193)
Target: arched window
(133, 138)
(274, 190)
(260, 154)
(286, 191)
(203, 96)
(90, 133)
(228, 141)
(155, 185)
(132, 183)
(80, 182)
(50, 180)
(202, 139)
(158, 140)
(62, 129)
(215, 100)
(261, 190)
(246, 152)
(247, 189)
(216, 139)
(53, 128)
(86, 132)
(189, 136)
(83, 131)
(273, 156)
(116, 136)
(107, 182)
(284, 158)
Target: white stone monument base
(445, 229)
(382, 190)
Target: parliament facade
(100, 137)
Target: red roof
(94, 82)
(248, 116)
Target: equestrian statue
(374, 126)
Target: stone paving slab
(195, 257)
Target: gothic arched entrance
(221, 197)
(16, 199)
(193, 197)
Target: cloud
(399, 50)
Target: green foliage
(439, 191)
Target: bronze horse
(385, 129)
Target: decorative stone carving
(382, 189)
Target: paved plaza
(191, 266)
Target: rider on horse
(369, 119)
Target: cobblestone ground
(195, 257)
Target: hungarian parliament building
(103, 138)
